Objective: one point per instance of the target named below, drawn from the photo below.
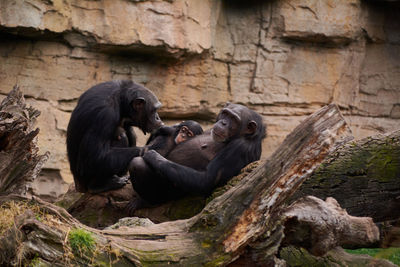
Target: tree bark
(20, 162)
(295, 256)
(246, 217)
(320, 226)
(363, 176)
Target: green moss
(300, 257)
(36, 262)
(391, 254)
(382, 163)
(152, 258)
(81, 242)
(234, 181)
(206, 244)
(218, 261)
(185, 208)
(378, 161)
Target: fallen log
(320, 226)
(248, 217)
(295, 256)
(363, 176)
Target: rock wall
(283, 58)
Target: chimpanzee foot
(114, 183)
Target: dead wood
(228, 224)
(297, 256)
(246, 218)
(20, 162)
(363, 176)
(320, 226)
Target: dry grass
(10, 210)
(90, 257)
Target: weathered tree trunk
(248, 217)
(307, 225)
(297, 256)
(19, 162)
(363, 176)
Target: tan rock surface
(285, 59)
(177, 26)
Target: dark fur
(201, 164)
(163, 140)
(125, 136)
(121, 138)
(95, 163)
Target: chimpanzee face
(153, 121)
(227, 125)
(144, 111)
(184, 134)
(233, 121)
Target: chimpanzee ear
(251, 127)
(139, 103)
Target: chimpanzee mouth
(217, 136)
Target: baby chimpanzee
(167, 137)
(164, 139)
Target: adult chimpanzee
(95, 163)
(121, 138)
(124, 136)
(167, 137)
(202, 163)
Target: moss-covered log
(295, 256)
(247, 215)
(104, 209)
(363, 176)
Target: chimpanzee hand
(153, 158)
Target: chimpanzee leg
(144, 180)
(111, 174)
(139, 170)
(149, 184)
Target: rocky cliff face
(283, 58)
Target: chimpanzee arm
(178, 174)
(223, 167)
(162, 131)
(130, 133)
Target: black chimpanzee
(95, 163)
(121, 138)
(202, 163)
(167, 137)
(124, 136)
(163, 141)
